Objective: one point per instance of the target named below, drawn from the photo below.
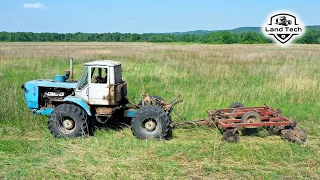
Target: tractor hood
(31, 89)
(52, 83)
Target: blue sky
(145, 16)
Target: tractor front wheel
(151, 122)
(68, 120)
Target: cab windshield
(84, 79)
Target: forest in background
(312, 36)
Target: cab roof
(103, 63)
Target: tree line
(219, 37)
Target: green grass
(207, 77)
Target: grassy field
(207, 77)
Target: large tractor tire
(151, 122)
(68, 120)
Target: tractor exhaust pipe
(71, 69)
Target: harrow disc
(295, 135)
(230, 135)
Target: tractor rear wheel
(68, 120)
(151, 122)
(251, 117)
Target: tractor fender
(80, 102)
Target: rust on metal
(152, 100)
(117, 93)
(229, 122)
(103, 111)
(269, 117)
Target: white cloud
(130, 22)
(34, 6)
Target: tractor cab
(101, 83)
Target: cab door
(99, 81)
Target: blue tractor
(98, 97)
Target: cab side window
(99, 75)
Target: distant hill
(196, 32)
(237, 30)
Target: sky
(145, 16)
